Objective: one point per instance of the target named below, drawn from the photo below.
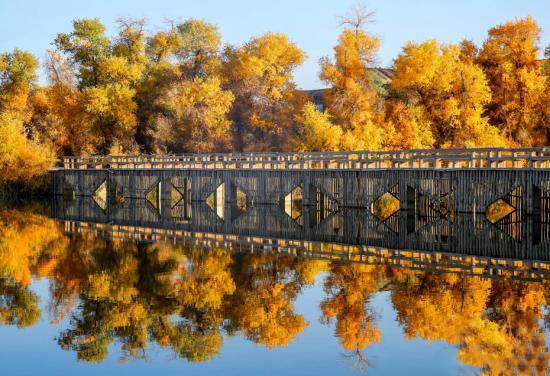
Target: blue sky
(33, 24)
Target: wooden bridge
(468, 180)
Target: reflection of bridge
(455, 242)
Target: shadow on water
(186, 279)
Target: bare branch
(59, 69)
(358, 360)
(357, 18)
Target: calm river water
(84, 303)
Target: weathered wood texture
(467, 190)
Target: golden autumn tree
(407, 126)
(22, 155)
(509, 58)
(352, 99)
(21, 159)
(160, 73)
(17, 80)
(108, 74)
(260, 76)
(194, 102)
(451, 92)
(58, 112)
(315, 131)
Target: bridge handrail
(427, 158)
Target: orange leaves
(352, 98)
(348, 289)
(24, 238)
(509, 58)
(207, 281)
(262, 306)
(266, 317)
(450, 90)
(21, 159)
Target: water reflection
(188, 297)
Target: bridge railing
(495, 158)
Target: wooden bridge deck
(495, 158)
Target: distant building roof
(385, 74)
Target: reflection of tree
(438, 307)
(24, 236)
(263, 303)
(137, 293)
(494, 322)
(203, 283)
(187, 300)
(18, 305)
(349, 288)
(122, 287)
(517, 308)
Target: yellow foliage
(316, 132)
(484, 343)
(18, 304)
(23, 239)
(352, 100)
(406, 127)
(21, 159)
(451, 91)
(441, 308)
(59, 118)
(348, 289)
(17, 78)
(200, 109)
(206, 281)
(262, 305)
(110, 108)
(509, 58)
(259, 74)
